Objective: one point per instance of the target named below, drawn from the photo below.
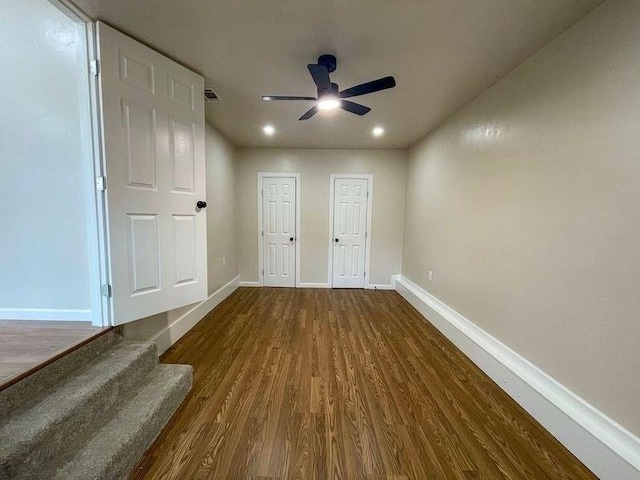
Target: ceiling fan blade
(309, 113)
(354, 107)
(320, 76)
(369, 87)
(284, 97)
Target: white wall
(525, 207)
(43, 242)
(316, 166)
(221, 233)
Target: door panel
(144, 257)
(349, 232)
(153, 128)
(279, 227)
(181, 150)
(184, 229)
(139, 125)
(138, 72)
(181, 93)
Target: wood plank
(26, 346)
(342, 384)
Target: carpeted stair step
(27, 391)
(49, 429)
(114, 450)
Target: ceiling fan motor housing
(333, 91)
(329, 61)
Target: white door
(153, 128)
(279, 231)
(349, 232)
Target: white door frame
(367, 260)
(297, 243)
(99, 274)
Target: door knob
(291, 239)
(201, 204)
(337, 240)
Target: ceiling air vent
(210, 95)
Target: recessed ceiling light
(328, 102)
(378, 131)
(268, 130)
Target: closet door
(279, 231)
(349, 232)
(153, 140)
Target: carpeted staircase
(91, 414)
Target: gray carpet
(90, 415)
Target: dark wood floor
(351, 384)
(27, 344)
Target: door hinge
(263, 272)
(94, 66)
(365, 274)
(367, 194)
(262, 233)
(366, 234)
(106, 290)
(101, 183)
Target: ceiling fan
(329, 97)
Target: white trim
(69, 8)
(100, 167)
(367, 261)
(103, 267)
(172, 333)
(91, 145)
(57, 314)
(250, 284)
(603, 445)
(313, 285)
(373, 286)
(298, 242)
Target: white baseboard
(313, 285)
(376, 286)
(300, 285)
(604, 446)
(172, 333)
(45, 314)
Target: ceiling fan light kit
(328, 102)
(329, 96)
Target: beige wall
(315, 166)
(221, 231)
(221, 210)
(525, 207)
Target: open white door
(350, 210)
(153, 131)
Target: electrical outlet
(224, 260)
(430, 276)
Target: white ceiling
(443, 53)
